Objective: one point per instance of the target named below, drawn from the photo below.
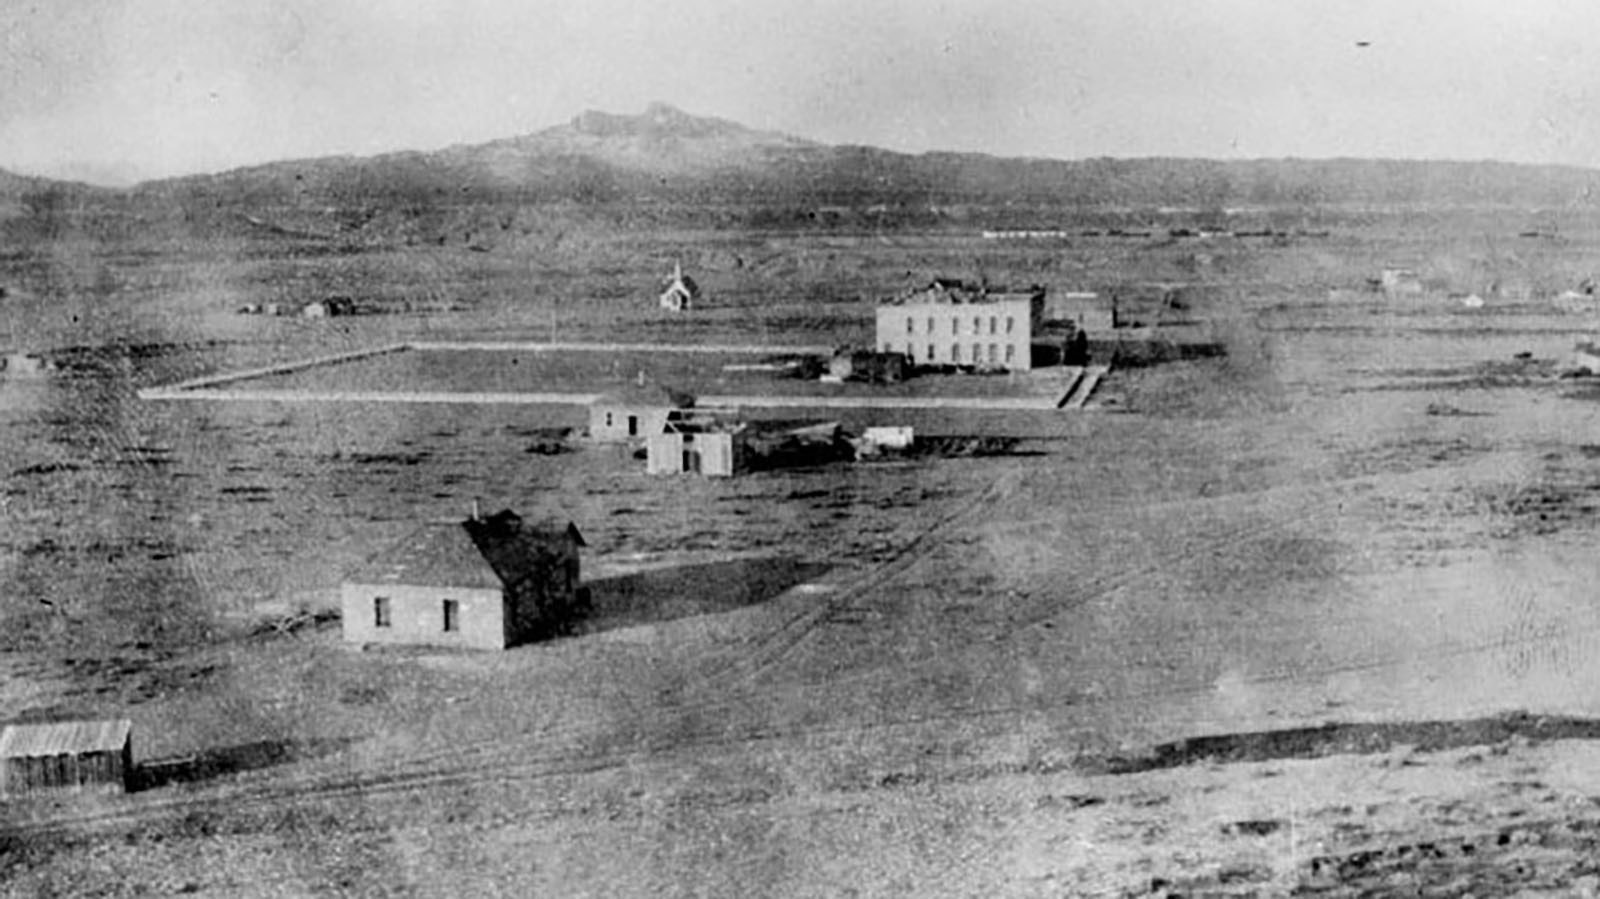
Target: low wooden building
(1084, 310)
(482, 583)
(72, 756)
(855, 364)
(636, 414)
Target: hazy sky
(120, 90)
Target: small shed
(713, 453)
(636, 414)
(25, 365)
(1400, 281)
(890, 437)
(1085, 310)
(681, 292)
(482, 583)
(72, 756)
(854, 364)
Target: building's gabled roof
(681, 282)
(651, 396)
(485, 553)
(64, 738)
(516, 549)
(948, 291)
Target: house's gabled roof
(64, 738)
(652, 396)
(485, 553)
(440, 554)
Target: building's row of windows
(955, 324)
(383, 614)
(980, 353)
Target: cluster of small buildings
(333, 306)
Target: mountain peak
(659, 120)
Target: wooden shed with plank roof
(66, 755)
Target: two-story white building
(951, 323)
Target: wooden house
(635, 414)
(482, 583)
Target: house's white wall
(652, 420)
(664, 454)
(417, 616)
(969, 328)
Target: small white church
(681, 292)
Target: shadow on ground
(671, 593)
(230, 760)
(1350, 739)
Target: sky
(117, 91)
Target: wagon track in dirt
(692, 723)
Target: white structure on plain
(681, 292)
(952, 323)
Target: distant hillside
(666, 155)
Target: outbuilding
(482, 583)
(70, 756)
(714, 452)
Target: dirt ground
(1314, 617)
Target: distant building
(875, 441)
(25, 365)
(1086, 310)
(681, 293)
(951, 323)
(1400, 282)
(714, 452)
(854, 364)
(481, 583)
(66, 756)
(635, 414)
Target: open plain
(1314, 616)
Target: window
(977, 324)
(955, 325)
(452, 616)
(610, 423)
(911, 325)
(955, 351)
(1011, 324)
(633, 426)
(977, 353)
(1011, 353)
(930, 324)
(929, 360)
(994, 355)
(992, 323)
(382, 615)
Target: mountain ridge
(667, 155)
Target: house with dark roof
(69, 756)
(483, 583)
